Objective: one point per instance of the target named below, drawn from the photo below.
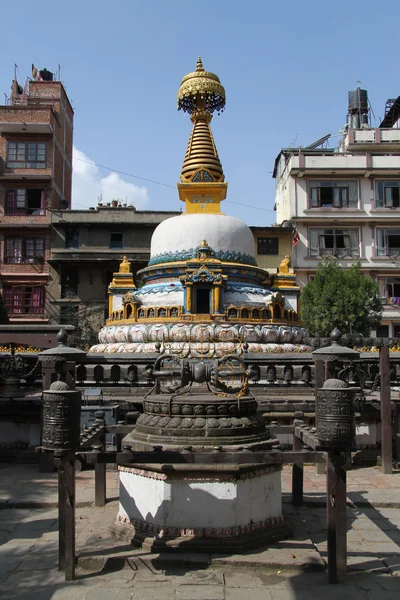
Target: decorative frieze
(161, 532)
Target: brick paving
(110, 568)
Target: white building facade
(345, 202)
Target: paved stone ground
(24, 484)
(110, 568)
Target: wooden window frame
(24, 158)
(22, 255)
(264, 239)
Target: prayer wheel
(335, 418)
(61, 415)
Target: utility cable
(89, 162)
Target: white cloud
(88, 185)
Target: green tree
(340, 297)
(3, 312)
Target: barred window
(343, 243)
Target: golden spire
(201, 162)
(200, 94)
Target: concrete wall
(205, 502)
(271, 262)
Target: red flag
(296, 238)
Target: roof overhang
(26, 128)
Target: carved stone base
(202, 421)
(197, 349)
(207, 508)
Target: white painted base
(206, 504)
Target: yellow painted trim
(212, 194)
(189, 298)
(201, 317)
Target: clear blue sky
(286, 67)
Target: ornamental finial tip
(199, 66)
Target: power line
(89, 162)
(250, 206)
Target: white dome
(187, 231)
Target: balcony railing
(339, 252)
(23, 212)
(24, 260)
(389, 252)
(374, 136)
(391, 301)
(24, 310)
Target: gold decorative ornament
(125, 266)
(285, 264)
(201, 90)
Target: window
(25, 201)
(387, 194)
(69, 283)
(396, 330)
(268, 245)
(116, 240)
(387, 242)
(333, 194)
(382, 331)
(393, 290)
(23, 300)
(72, 237)
(342, 243)
(26, 155)
(23, 250)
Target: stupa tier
(202, 293)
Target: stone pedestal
(201, 421)
(203, 508)
(219, 507)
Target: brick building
(36, 131)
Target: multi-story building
(36, 130)
(272, 244)
(345, 202)
(87, 247)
